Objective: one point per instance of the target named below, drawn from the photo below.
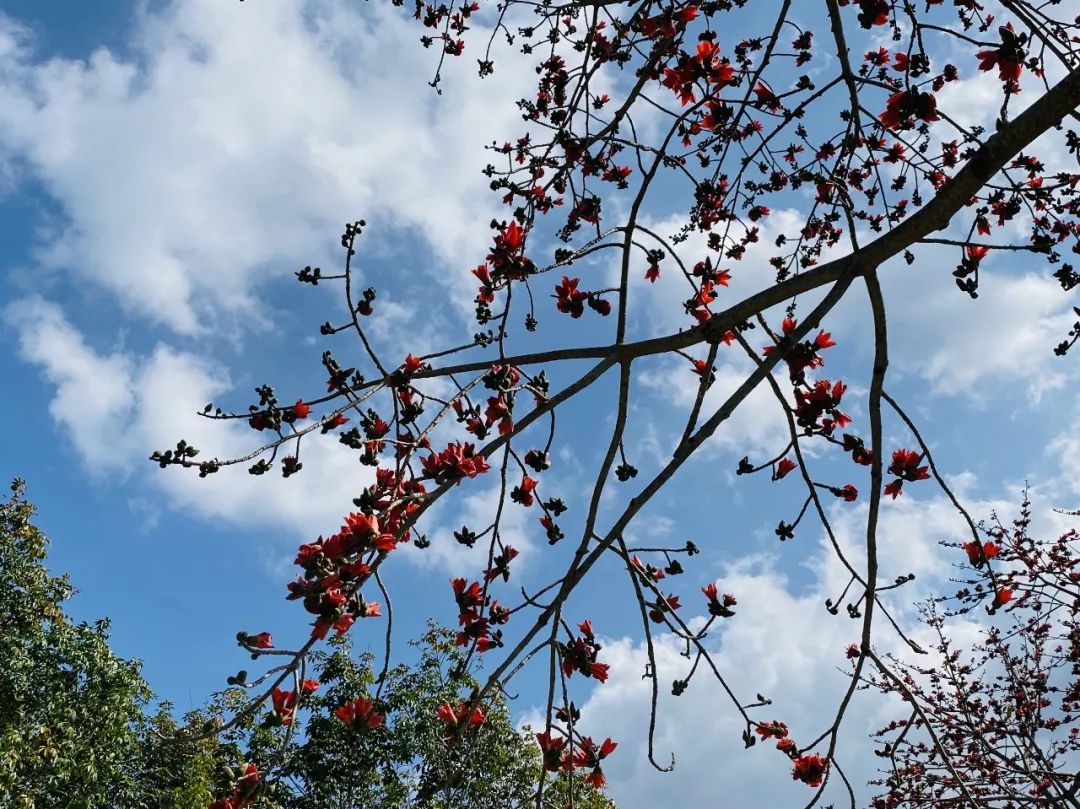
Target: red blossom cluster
(979, 552)
(859, 453)
(505, 263)
(500, 564)
(586, 755)
(360, 711)
(284, 703)
(580, 653)
(907, 104)
(810, 769)
(662, 605)
(246, 791)
(802, 356)
(457, 720)
(705, 66)
(455, 463)
(666, 25)
(720, 606)
(820, 400)
(905, 465)
(708, 278)
(475, 625)
(334, 568)
(1008, 58)
(571, 301)
(504, 382)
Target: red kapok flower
(1008, 58)
(464, 715)
(764, 93)
(809, 769)
(301, 410)
(513, 235)
(264, 641)
(771, 730)
(979, 553)
(589, 756)
(908, 104)
(569, 299)
(905, 465)
(551, 748)
(361, 711)
(335, 421)
(344, 623)
(284, 703)
(782, 468)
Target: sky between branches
(164, 169)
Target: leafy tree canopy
(70, 709)
(73, 732)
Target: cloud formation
(115, 408)
(235, 138)
(784, 645)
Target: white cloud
(781, 643)
(117, 408)
(757, 427)
(237, 138)
(1000, 343)
(1065, 450)
(1009, 333)
(477, 510)
(93, 393)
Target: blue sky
(165, 167)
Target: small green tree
(409, 760)
(70, 710)
(175, 773)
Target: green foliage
(73, 734)
(175, 773)
(409, 762)
(70, 710)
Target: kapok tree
(996, 725)
(729, 110)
